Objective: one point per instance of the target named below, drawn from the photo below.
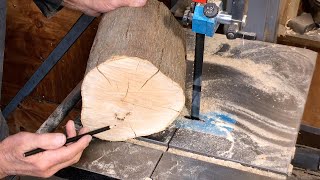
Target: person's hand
(45, 164)
(96, 7)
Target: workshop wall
(30, 39)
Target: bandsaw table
(253, 98)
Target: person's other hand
(45, 164)
(96, 7)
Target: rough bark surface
(135, 78)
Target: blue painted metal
(83, 22)
(202, 24)
(219, 124)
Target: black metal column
(4, 131)
(197, 76)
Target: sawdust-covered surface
(263, 87)
(120, 160)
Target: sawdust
(226, 164)
(267, 78)
(267, 159)
(147, 144)
(261, 76)
(214, 105)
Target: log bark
(136, 72)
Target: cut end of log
(132, 95)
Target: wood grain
(32, 113)
(29, 40)
(135, 78)
(288, 10)
(311, 114)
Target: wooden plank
(310, 40)
(288, 10)
(311, 114)
(30, 39)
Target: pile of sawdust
(261, 76)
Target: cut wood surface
(135, 77)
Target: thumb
(135, 3)
(140, 3)
(44, 141)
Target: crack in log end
(171, 109)
(150, 79)
(135, 135)
(126, 92)
(128, 30)
(138, 65)
(139, 105)
(104, 75)
(151, 108)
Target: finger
(71, 131)
(58, 167)
(30, 141)
(65, 154)
(137, 3)
(83, 7)
(83, 130)
(90, 12)
(131, 3)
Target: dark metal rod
(3, 12)
(238, 7)
(83, 22)
(69, 140)
(4, 130)
(61, 111)
(310, 129)
(197, 76)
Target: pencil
(69, 140)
